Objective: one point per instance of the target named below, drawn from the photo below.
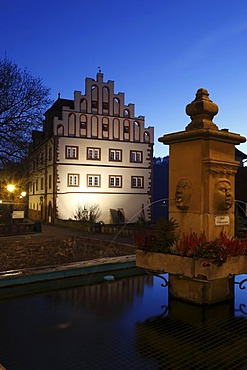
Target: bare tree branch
(23, 101)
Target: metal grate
(122, 324)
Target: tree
(23, 101)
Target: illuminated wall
(101, 154)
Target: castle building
(92, 152)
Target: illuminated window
(115, 155)
(115, 181)
(71, 152)
(73, 179)
(93, 153)
(137, 181)
(93, 180)
(135, 156)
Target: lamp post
(41, 207)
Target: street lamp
(10, 188)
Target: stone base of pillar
(201, 291)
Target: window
(93, 153)
(73, 179)
(37, 185)
(105, 105)
(135, 156)
(94, 104)
(126, 129)
(93, 180)
(115, 155)
(49, 182)
(146, 137)
(104, 127)
(115, 181)
(137, 181)
(42, 183)
(71, 152)
(126, 113)
(83, 122)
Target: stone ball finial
(201, 111)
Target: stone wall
(17, 228)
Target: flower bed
(161, 239)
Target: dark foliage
(159, 238)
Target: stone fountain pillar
(201, 189)
(202, 171)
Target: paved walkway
(50, 231)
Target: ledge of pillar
(205, 134)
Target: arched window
(105, 128)
(116, 107)
(94, 126)
(116, 129)
(105, 103)
(146, 137)
(94, 97)
(126, 113)
(71, 130)
(83, 125)
(126, 129)
(60, 130)
(136, 131)
(83, 105)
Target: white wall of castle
(100, 119)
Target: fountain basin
(199, 281)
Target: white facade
(93, 151)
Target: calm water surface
(124, 324)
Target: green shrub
(160, 238)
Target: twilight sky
(158, 52)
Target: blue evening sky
(158, 52)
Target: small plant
(160, 238)
(88, 213)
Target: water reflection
(124, 324)
(191, 337)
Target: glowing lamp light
(23, 193)
(10, 188)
